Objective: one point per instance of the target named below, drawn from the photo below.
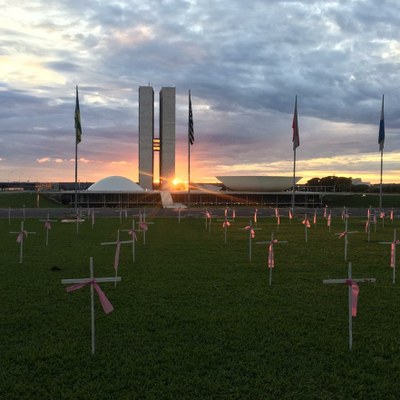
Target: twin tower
(148, 144)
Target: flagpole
(380, 186)
(296, 143)
(78, 135)
(188, 209)
(190, 142)
(76, 176)
(294, 179)
(381, 142)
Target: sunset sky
(244, 62)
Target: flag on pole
(190, 130)
(295, 126)
(381, 139)
(78, 128)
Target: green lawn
(194, 319)
(29, 200)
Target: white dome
(115, 184)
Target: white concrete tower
(167, 137)
(146, 135)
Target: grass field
(29, 200)
(194, 319)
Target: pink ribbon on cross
(226, 224)
(306, 222)
(255, 216)
(208, 215)
(143, 226)
(290, 214)
(116, 257)
(392, 252)
(271, 258)
(278, 221)
(132, 232)
(391, 215)
(342, 234)
(328, 222)
(276, 212)
(21, 235)
(315, 218)
(382, 214)
(105, 303)
(366, 226)
(324, 212)
(252, 232)
(355, 289)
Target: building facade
(167, 136)
(148, 144)
(146, 136)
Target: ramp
(167, 202)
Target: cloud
(244, 63)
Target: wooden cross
(368, 229)
(91, 213)
(132, 232)
(93, 282)
(252, 235)
(271, 256)
(122, 211)
(208, 220)
(346, 240)
(382, 217)
(329, 221)
(307, 225)
(352, 294)
(22, 235)
(225, 225)
(393, 254)
(47, 226)
(79, 220)
(117, 252)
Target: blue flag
(381, 139)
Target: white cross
(307, 225)
(252, 234)
(92, 281)
(368, 229)
(271, 256)
(208, 220)
(393, 254)
(117, 252)
(47, 226)
(352, 292)
(225, 225)
(132, 232)
(345, 234)
(22, 234)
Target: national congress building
(148, 144)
